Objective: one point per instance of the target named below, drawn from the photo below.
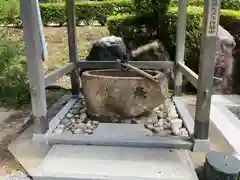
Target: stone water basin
(111, 94)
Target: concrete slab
(115, 163)
(122, 130)
(132, 135)
(30, 155)
(218, 139)
(226, 99)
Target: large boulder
(234, 29)
(108, 48)
(224, 62)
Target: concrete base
(224, 126)
(97, 162)
(107, 134)
(70, 162)
(226, 121)
(30, 155)
(200, 145)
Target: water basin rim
(89, 73)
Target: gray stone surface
(122, 130)
(220, 127)
(96, 162)
(29, 154)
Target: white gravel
(18, 175)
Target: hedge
(99, 11)
(129, 27)
(225, 4)
(158, 7)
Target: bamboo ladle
(139, 71)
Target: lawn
(57, 41)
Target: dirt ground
(13, 126)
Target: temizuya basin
(111, 94)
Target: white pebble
(167, 125)
(17, 175)
(176, 131)
(161, 107)
(176, 123)
(167, 109)
(159, 123)
(58, 131)
(156, 109)
(83, 110)
(173, 115)
(80, 126)
(60, 126)
(95, 123)
(89, 125)
(89, 131)
(148, 126)
(78, 131)
(69, 115)
(83, 116)
(183, 132)
(73, 120)
(157, 129)
(65, 121)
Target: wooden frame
(203, 81)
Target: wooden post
(32, 41)
(180, 45)
(72, 43)
(206, 68)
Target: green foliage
(53, 13)
(225, 4)
(85, 11)
(200, 3)
(10, 12)
(13, 71)
(129, 26)
(158, 7)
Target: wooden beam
(114, 65)
(53, 76)
(72, 43)
(206, 68)
(180, 45)
(31, 29)
(191, 76)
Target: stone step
(76, 162)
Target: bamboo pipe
(139, 71)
